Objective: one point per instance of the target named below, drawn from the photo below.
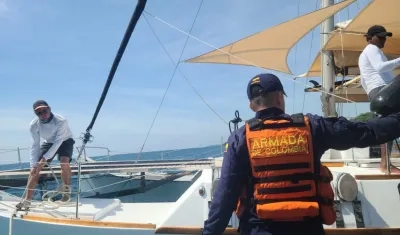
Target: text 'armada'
(279, 144)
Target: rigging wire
(309, 60)
(169, 84)
(295, 59)
(234, 56)
(181, 73)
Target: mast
(87, 137)
(328, 76)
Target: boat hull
(129, 189)
(23, 227)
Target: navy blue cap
(40, 104)
(379, 31)
(265, 82)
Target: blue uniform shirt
(327, 133)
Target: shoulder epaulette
(254, 124)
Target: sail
(351, 41)
(269, 48)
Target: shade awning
(269, 48)
(350, 39)
(377, 12)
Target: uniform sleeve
(376, 58)
(341, 134)
(61, 134)
(35, 147)
(232, 179)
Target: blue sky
(61, 51)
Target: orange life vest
(287, 187)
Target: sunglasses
(39, 113)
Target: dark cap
(265, 82)
(379, 31)
(40, 104)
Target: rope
(49, 204)
(340, 106)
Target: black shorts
(66, 149)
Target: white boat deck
(105, 210)
(145, 213)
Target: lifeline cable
(186, 79)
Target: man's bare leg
(383, 166)
(32, 181)
(65, 170)
(30, 187)
(66, 174)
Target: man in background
(268, 163)
(54, 129)
(377, 72)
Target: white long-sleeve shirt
(56, 132)
(375, 69)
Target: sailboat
(106, 179)
(359, 184)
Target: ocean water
(177, 154)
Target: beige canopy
(349, 40)
(269, 48)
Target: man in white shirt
(376, 72)
(54, 129)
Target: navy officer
(270, 164)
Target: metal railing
(94, 147)
(19, 158)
